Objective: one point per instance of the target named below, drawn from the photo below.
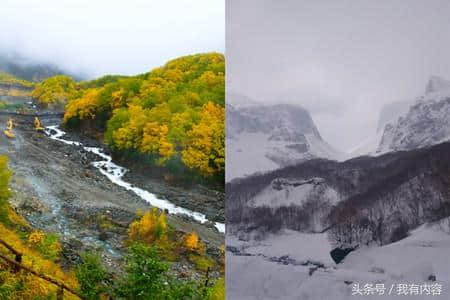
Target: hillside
(393, 193)
(58, 189)
(389, 214)
(11, 86)
(172, 117)
(131, 200)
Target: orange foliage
(150, 228)
(191, 241)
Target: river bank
(57, 189)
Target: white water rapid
(115, 173)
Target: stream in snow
(115, 173)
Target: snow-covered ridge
(265, 137)
(411, 124)
(115, 173)
(425, 124)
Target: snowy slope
(425, 253)
(286, 193)
(265, 137)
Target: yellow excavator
(9, 126)
(38, 125)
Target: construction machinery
(38, 125)
(9, 124)
(9, 134)
(8, 131)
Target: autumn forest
(172, 117)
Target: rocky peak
(437, 84)
(426, 123)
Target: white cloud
(340, 59)
(104, 36)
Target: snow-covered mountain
(411, 124)
(405, 188)
(282, 226)
(389, 210)
(426, 123)
(266, 137)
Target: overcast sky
(342, 60)
(111, 36)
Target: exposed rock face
(426, 123)
(370, 199)
(339, 254)
(281, 122)
(266, 137)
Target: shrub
(201, 262)
(217, 292)
(47, 244)
(192, 241)
(91, 275)
(151, 227)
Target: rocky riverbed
(57, 189)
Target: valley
(58, 190)
(319, 225)
(92, 202)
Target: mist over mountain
(28, 69)
(391, 112)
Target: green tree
(147, 278)
(91, 276)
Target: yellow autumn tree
(172, 116)
(56, 90)
(84, 107)
(205, 149)
(151, 227)
(129, 136)
(154, 140)
(191, 242)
